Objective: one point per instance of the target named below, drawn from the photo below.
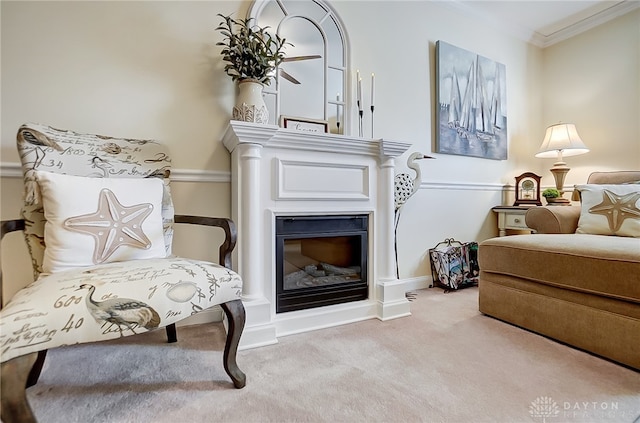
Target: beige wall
(152, 70)
(593, 80)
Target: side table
(511, 217)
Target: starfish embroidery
(113, 225)
(617, 208)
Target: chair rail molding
(13, 170)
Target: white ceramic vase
(250, 106)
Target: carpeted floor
(445, 363)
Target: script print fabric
(47, 149)
(110, 301)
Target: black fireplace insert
(320, 261)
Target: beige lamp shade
(561, 140)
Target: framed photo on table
(528, 189)
(304, 125)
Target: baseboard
(419, 282)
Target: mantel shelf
(239, 132)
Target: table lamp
(561, 140)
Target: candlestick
(372, 121)
(358, 88)
(338, 112)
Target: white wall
(152, 70)
(396, 40)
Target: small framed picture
(528, 189)
(305, 125)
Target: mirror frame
(330, 101)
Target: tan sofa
(579, 289)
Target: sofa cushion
(595, 264)
(610, 209)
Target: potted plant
(251, 55)
(551, 195)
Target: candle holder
(372, 108)
(360, 114)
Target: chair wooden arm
(12, 226)
(229, 227)
(8, 226)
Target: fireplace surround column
(387, 265)
(250, 253)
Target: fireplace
(322, 203)
(320, 261)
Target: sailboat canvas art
(472, 104)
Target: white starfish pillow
(100, 220)
(610, 209)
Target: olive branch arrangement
(249, 50)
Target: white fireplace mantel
(284, 172)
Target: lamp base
(559, 171)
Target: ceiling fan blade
(288, 77)
(298, 58)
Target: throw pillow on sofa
(609, 209)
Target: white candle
(358, 88)
(360, 94)
(372, 89)
(338, 107)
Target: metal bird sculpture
(405, 187)
(121, 311)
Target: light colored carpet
(445, 363)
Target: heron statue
(405, 187)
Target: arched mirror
(311, 82)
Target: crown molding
(540, 40)
(616, 10)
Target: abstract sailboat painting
(472, 104)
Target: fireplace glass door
(320, 261)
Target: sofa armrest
(553, 219)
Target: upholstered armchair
(98, 222)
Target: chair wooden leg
(234, 310)
(171, 333)
(14, 373)
(34, 374)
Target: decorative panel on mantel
(299, 180)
